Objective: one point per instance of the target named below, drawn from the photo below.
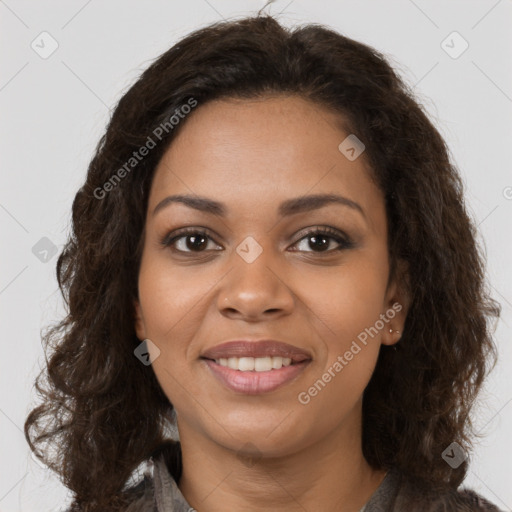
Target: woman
(271, 254)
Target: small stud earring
(391, 330)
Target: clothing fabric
(160, 493)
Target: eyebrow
(286, 208)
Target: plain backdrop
(54, 108)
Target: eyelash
(344, 241)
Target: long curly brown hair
(103, 413)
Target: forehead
(253, 154)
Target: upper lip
(260, 348)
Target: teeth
(233, 363)
(246, 364)
(259, 364)
(263, 364)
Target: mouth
(257, 364)
(254, 367)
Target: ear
(140, 327)
(396, 304)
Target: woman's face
(265, 270)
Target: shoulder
(466, 499)
(141, 496)
(478, 501)
(461, 500)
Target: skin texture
(268, 450)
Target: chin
(266, 435)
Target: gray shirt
(161, 494)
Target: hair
(104, 413)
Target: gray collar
(383, 499)
(168, 497)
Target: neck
(330, 475)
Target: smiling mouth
(254, 367)
(255, 375)
(256, 364)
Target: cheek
(170, 299)
(349, 309)
(172, 305)
(350, 301)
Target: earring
(391, 332)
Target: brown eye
(195, 242)
(188, 241)
(323, 240)
(318, 240)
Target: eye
(321, 239)
(190, 240)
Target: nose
(255, 291)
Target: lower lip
(252, 382)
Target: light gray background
(54, 110)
